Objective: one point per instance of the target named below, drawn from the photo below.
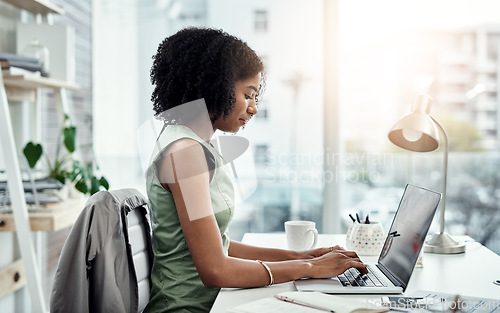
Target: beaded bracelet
(271, 277)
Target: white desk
(470, 274)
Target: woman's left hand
(314, 253)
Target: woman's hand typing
(314, 253)
(335, 262)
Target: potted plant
(64, 167)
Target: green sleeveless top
(177, 287)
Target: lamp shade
(416, 131)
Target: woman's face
(245, 107)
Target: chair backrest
(105, 264)
(139, 238)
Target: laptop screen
(408, 231)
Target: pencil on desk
(312, 306)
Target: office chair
(105, 263)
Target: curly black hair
(199, 63)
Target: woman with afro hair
(207, 80)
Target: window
(261, 21)
(389, 68)
(381, 68)
(262, 113)
(261, 154)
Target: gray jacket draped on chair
(95, 271)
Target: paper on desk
(271, 305)
(335, 303)
(465, 304)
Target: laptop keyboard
(353, 277)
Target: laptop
(398, 256)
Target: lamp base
(443, 244)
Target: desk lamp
(418, 131)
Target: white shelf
(12, 278)
(32, 82)
(37, 6)
(56, 216)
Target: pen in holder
(365, 239)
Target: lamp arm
(445, 175)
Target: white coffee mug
(301, 235)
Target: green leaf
(94, 185)
(104, 183)
(32, 152)
(69, 134)
(77, 166)
(78, 171)
(60, 176)
(72, 176)
(81, 186)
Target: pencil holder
(365, 239)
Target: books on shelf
(42, 198)
(18, 60)
(12, 70)
(46, 191)
(14, 64)
(307, 302)
(43, 184)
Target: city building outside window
(261, 154)
(261, 20)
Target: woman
(206, 80)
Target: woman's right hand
(335, 263)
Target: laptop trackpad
(309, 284)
